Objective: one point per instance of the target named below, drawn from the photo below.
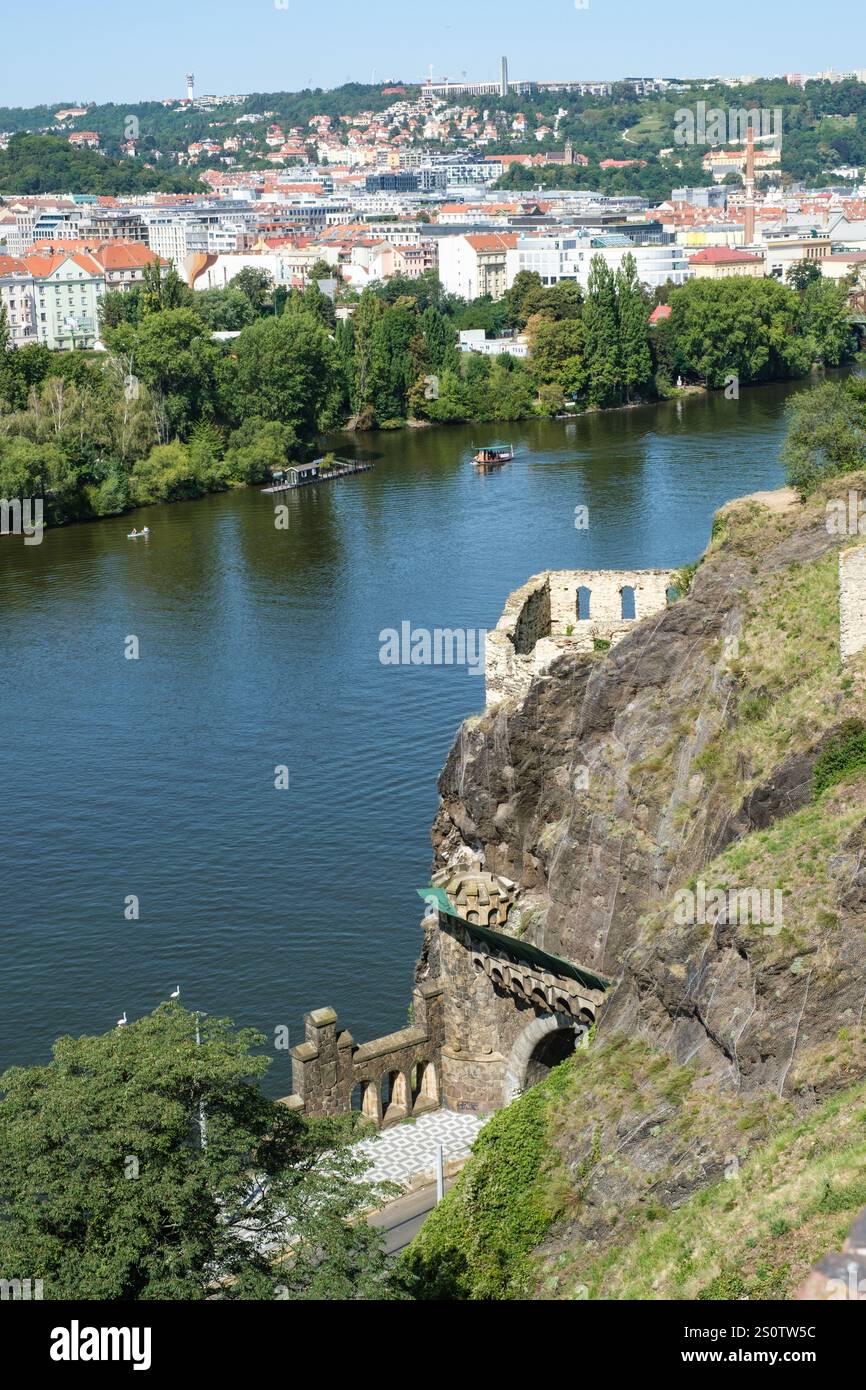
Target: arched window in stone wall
(583, 598)
(626, 595)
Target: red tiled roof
(721, 255)
(661, 311)
(493, 241)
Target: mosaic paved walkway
(405, 1152)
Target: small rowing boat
(137, 535)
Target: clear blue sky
(94, 50)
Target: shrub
(844, 754)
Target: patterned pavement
(407, 1151)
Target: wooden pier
(304, 474)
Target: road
(403, 1219)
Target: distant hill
(49, 164)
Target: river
(259, 648)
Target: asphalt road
(403, 1219)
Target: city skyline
(284, 47)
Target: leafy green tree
(160, 289)
(634, 348)
(224, 310)
(367, 315)
(285, 371)
(825, 322)
(802, 274)
(740, 325)
(826, 435)
(255, 285)
(139, 1165)
(257, 447)
(558, 355)
(525, 283)
(438, 335)
(174, 356)
(601, 329)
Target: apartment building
(569, 257)
(18, 299)
(416, 259)
(473, 265)
(722, 262)
(68, 287)
(781, 252)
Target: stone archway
(548, 1039)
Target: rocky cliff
(648, 799)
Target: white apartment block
(569, 257)
(474, 265)
(17, 295)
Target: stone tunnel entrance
(542, 1045)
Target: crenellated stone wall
(543, 618)
(388, 1079)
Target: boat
(137, 535)
(493, 458)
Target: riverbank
(484, 432)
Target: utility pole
(202, 1120)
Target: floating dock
(304, 474)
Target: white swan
(122, 1022)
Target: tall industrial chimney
(503, 79)
(749, 201)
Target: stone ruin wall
(535, 623)
(852, 601)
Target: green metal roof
(521, 950)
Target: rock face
(685, 755)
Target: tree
(286, 370)
(748, 327)
(174, 356)
(255, 285)
(634, 347)
(558, 356)
(162, 290)
(826, 434)
(826, 323)
(524, 284)
(802, 274)
(129, 1162)
(601, 327)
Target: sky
(94, 50)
